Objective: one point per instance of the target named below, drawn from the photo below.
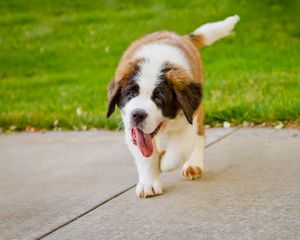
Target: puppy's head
(149, 94)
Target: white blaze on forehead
(155, 56)
(161, 53)
(148, 76)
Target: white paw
(148, 190)
(191, 172)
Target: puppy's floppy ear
(124, 72)
(188, 93)
(114, 94)
(189, 98)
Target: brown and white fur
(158, 87)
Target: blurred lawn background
(57, 57)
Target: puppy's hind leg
(178, 145)
(172, 158)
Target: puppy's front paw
(191, 172)
(148, 190)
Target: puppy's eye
(158, 99)
(131, 94)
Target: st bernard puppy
(158, 87)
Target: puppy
(158, 87)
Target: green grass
(58, 56)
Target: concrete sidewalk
(80, 185)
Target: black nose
(138, 116)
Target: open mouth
(144, 140)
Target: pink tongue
(144, 141)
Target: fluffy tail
(208, 33)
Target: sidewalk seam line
(222, 137)
(118, 194)
(84, 213)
